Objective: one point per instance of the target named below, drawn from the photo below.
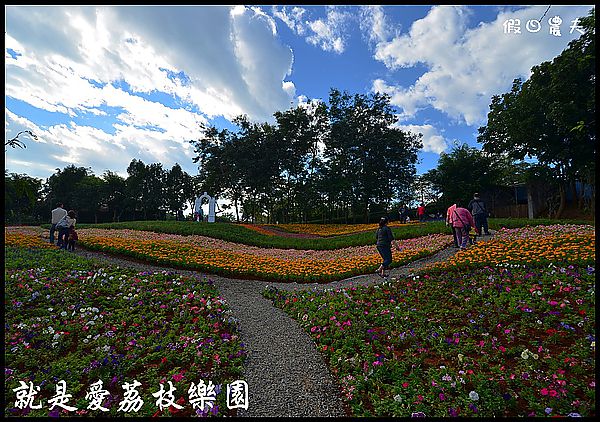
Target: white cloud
(467, 66)
(76, 61)
(86, 146)
(292, 17)
(432, 140)
(374, 25)
(329, 33)
(224, 55)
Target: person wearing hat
(480, 213)
(385, 238)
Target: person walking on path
(480, 213)
(57, 214)
(421, 212)
(63, 232)
(462, 221)
(449, 223)
(385, 238)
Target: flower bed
(269, 264)
(326, 230)
(540, 244)
(75, 322)
(488, 341)
(235, 260)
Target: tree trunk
(563, 200)
(575, 197)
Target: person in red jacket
(462, 221)
(449, 212)
(421, 212)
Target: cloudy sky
(102, 85)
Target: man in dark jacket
(480, 213)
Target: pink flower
(553, 393)
(178, 377)
(502, 348)
(544, 391)
(405, 384)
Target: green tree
(134, 186)
(21, 192)
(62, 186)
(175, 194)
(551, 116)
(372, 160)
(113, 194)
(299, 134)
(464, 171)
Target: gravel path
(286, 375)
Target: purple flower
(548, 410)
(473, 408)
(417, 415)
(453, 412)
(54, 413)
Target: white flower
(398, 398)
(473, 396)
(524, 354)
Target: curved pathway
(285, 373)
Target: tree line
(149, 192)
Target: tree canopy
(551, 116)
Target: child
(72, 239)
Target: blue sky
(102, 85)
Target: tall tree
(88, 196)
(113, 194)
(62, 185)
(551, 116)
(134, 186)
(175, 197)
(21, 193)
(464, 171)
(374, 159)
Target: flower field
(540, 244)
(236, 260)
(336, 229)
(503, 329)
(507, 328)
(67, 319)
